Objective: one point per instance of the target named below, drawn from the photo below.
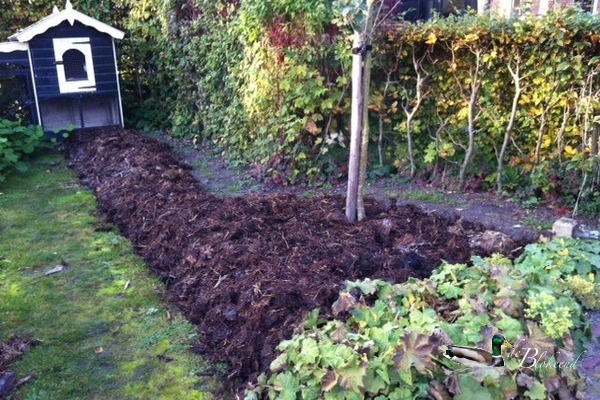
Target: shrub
(17, 140)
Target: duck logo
(476, 357)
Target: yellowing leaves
(312, 127)
(546, 143)
(463, 113)
(431, 38)
(570, 151)
(471, 37)
(416, 351)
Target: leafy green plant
(530, 202)
(388, 340)
(587, 291)
(554, 314)
(433, 197)
(16, 141)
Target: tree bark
(359, 127)
(366, 84)
(594, 144)
(411, 112)
(355, 132)
(471, 132)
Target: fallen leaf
(345, 302)
(339, 334)
(329, 381)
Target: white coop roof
(57, 17)
(9, 47)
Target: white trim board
(55, 19)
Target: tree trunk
(355, 131)
(471, 132)
(380, 140)
(359, 129)
(364, 148)
(409, 142)
(410, 112)
(594, 144)
(472, 117)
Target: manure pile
(246, 270)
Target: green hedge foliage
(470, 101)
(488, 103)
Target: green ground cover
(389, 340)
(105, 332)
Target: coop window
(74, 65)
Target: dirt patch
(246, 270)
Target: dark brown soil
(246, 270)
(523, 224)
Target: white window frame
(61, 45)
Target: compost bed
(246, 270)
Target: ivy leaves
(349, 13)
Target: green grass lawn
(104, 331)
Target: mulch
(246, 270)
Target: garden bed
(246, 270)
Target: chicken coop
(62, 72)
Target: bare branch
(390, 11)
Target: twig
(221, 279)
(579, 195)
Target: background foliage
(507, 105)
(16, 141)
(471, 102)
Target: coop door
(74, 65)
